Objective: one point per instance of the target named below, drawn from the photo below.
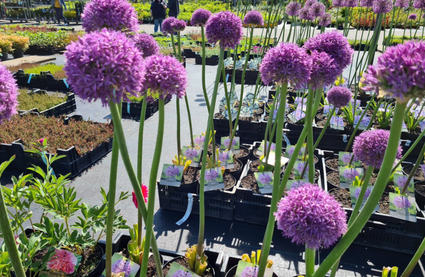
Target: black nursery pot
(419, 196)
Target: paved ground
(233, 238)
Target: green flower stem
(111, 204)
(174, 47)
(199, 249)
(139, 167)
(7, 232)
(310, 146)
(190, 120)
(414, 260)
(229, 108)
(374, 113)
(152, 186)
(387, 41)
(328, 120)
(179, 50)
(409, 151)
(271, 128)
(204, 86)
(365, 182)
(290, 29)
(375, 38)
(349, 11)
(242, 85)
(310, 254)
(118, 130)
(415, 167)
(179, 147)
(420, 16)
(374, 197)
(275, 197)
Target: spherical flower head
(167, 25)
(8, 94)
(200, 17)
(382, 6)
(118, 15)
(145, 192)
(402, 3)
(63, 260)
(211, 175)
(253, 19)
(419, 4)
(165, 76)
(309, 3)
(293, 9)
(402, 202)
(323, 70)
(325, 20)
(264, 178)
(146, 44)
(351, 174)
(351, 3)
(310, 216)
(399, 72)
(250, 271)
(122, 266)
(172, 171)
(338, 3)
(287, 62)
(339, 96)
(412, 16)
(317, 9)
(225, 28)
(335, 45)
(366, 194)
(367, 3)
(178, 25)
(182, 273)
(370, 146)
(305, 14)
(104, 65)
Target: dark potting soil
(332, 163)
(249, 182)
(190, 175)
(242, 153)
(420, 188)
(419, 174)
(255, 117)
(238, 165)
(182, 261)
(343, 197)
(333, 178)
(210, 147)
(219, 116)
(229, 181)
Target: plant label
(344, 159)
(402, 207)
(248, 269)
(263, 148)
(355, 193)
(226, 159)
(120, 264)
(179, 270)
(264, 181)
(400, 182)
(290, 151)
(349, 175)
(296, 116)
(225, 142)
(62, 261)
(199, 141)
(171, 175)
(294, 184)
(213, 179)
(337, 123)
(300, 167)
(364, 123)
(192, 154)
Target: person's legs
(58, 14)
(156, 22)
(160, 23)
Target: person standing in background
(57, 6)
(173, 8)
(158, 14)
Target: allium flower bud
(402, 3)
(305, 14)
(118, 15)
(419, 4)
(8, 94)
(146, 44)
(293, 9)
(310, 216)
(167, 25)
(323, 70)
(309, 3)
(200, 17)
(382, 6)
(253, 19)
(338, 3)
(339, 96)
(370, 146)
(178, 25)
(366, 3)
(224, 27)
(351, 3)
(325, 20)
(317, 9)
(412, 16)
(104, 65)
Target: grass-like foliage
(40, 101)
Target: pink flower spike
(144, 193)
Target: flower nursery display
(301, 141)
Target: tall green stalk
(139, 168)
(412, 147)
(414, 260)
(374, 197)
(310, 254)
(375, 38)
(310, 146)
(204, 86)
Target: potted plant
(19, 45)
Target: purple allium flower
(182, 273)
(8, 94)
(253, 19)
(402, 202)
(325, 20)
(401, 181)
(224, 156)
(172, 171)
(366, 3)
(399, 72)
(370, 146)
(250, 271)
(167, 25)
(335, 45)
(351, 3)
(339, 96)
(104, 65)
(264, 178)
(224, 27)
(165, 76)
(419, 4)
(402, 3)
(317, 9)
(338, 3)
(412, 16)
(191, 153)
(287, 62)
(323, 70)
(200, 17)
(309, 215)
(178, 25)
(293, 9)
(118, 15)
(305, 14)
(122, 265)
(211, 175)
(366, 194)
(351, 173)
(382, 6)
(146, 44)
(309, 3)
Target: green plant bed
(46, 103)
(34, 68)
